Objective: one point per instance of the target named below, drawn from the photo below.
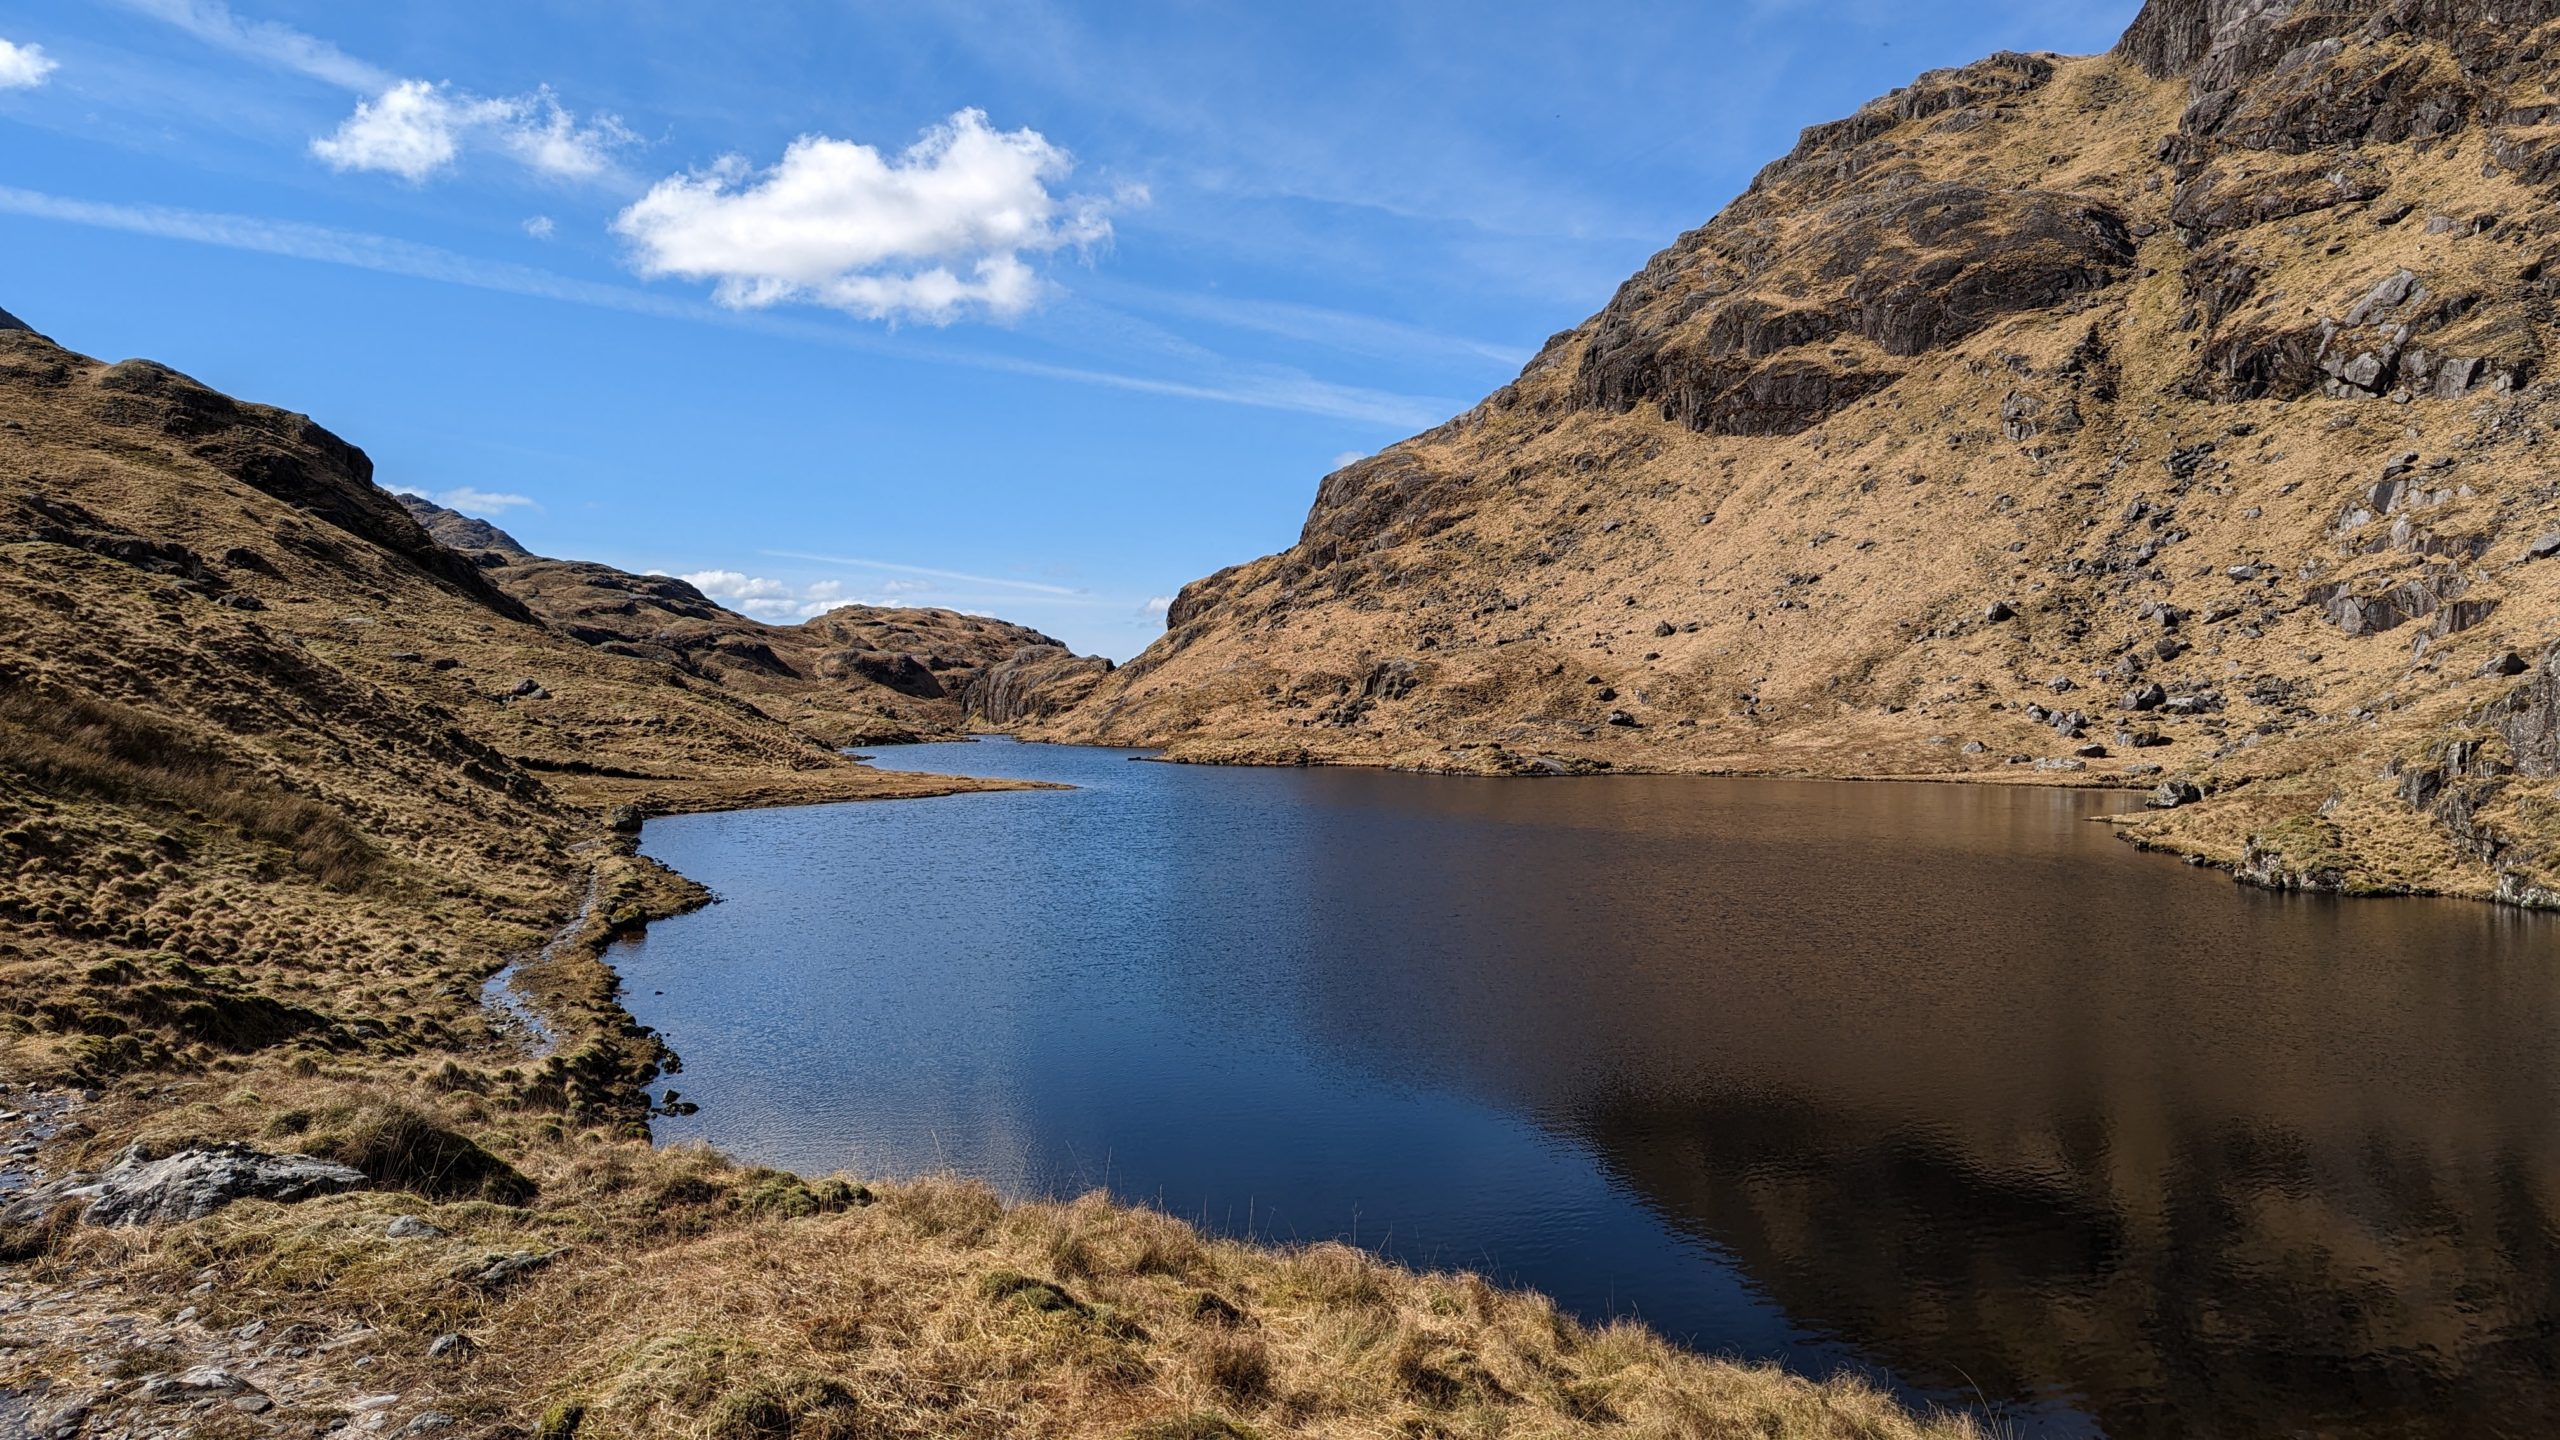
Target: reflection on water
(1934, 1079)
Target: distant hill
(2179, 415)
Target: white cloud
(468, 498)
(414, 129)
(24, 67)
(904, 587)
(768, 599)
(1158, 604)
(540, 227)
(933, 233)
(1347, 457)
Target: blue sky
(1031, 309)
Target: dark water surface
(1935, 1080)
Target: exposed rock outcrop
(1033, 683)
(189, 1184)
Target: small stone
(451, 1345)
(2090, 752)
(1664, 627)
(2543, 547)
(1622, 718)
(1997, 611)
(528, 689)
(410, 1227)
(201, 1383)
(2504, 663)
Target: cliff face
(2176, 414)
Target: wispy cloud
(858, 563)
(1334, 329)
(1261, 390)
(24, 67)
(268, 43)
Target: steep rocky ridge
(2173, 417)
(856, 675)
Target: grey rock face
(201, 1383)
(187, 1185)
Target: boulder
(2170, 794)
(187, 1184)
(204, 1382)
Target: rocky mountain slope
(2176, 417)
(856, 675)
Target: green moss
(561, 1421)
(1012, 1287)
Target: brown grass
(75, 747)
